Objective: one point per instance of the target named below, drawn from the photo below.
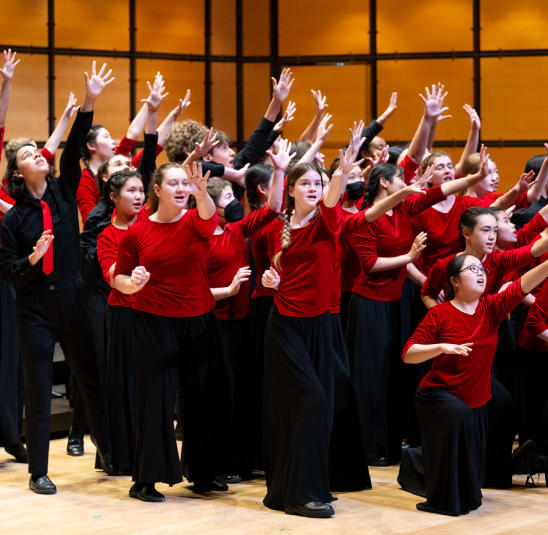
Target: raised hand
(156, 93)
(41, 247)
(474, 117)
(456, 349)
(242, 275)
(418, 245)
(356, 139)
(182, 106)
(281, 158)
(9, 64)
(98, 80)
(321, 101)
(287, 117)
(208, 143)
(323, 128)
(198, 182)
(281, 88)
(271, 279)
(139, 277)
(433, 102)
(71, 106)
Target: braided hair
(296, 172)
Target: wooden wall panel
(408, 78)
(24, 23)
(223, 96)
(424, 26)
(85, 24)
(179, 76)
(112, 108)
(256, 22)
(513, 98)
(256, 94)
(513, 24)
(223, 27)
(28, 107)
(170, 26)
(306, 27)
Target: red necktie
(47, 259)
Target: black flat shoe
(205, 486)
(75, 444)
(311, 510)
(146, 492)
(19, 452)
(42, 485)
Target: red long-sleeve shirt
(443, 231)
(388, 236)
(307, 266)
(228, 252)
(535, 323)
(467, 377)
(175, 254)
(496, 265)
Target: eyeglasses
(474, 268)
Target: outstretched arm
(7, 75)
(311, 131)
(165, 127)
(280, 160)
(53, 142)
(473, 138)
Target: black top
(22, 224)
(252, 152)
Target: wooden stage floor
(90, 502)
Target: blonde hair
(182, 138)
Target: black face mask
(355, 190)
(234, 211)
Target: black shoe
(146, 492)
(205, 486)
(104, 458)
(230, 479)
(75, 444)
(18, 451)
(42, 485)
(311, 510)
(525, 459)
(381, 461)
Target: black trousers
(373, 341)
(185, 352)
(43, 318)
(120, 386)
(298, 409)
(9, 368)
(260, 311)
(453, 444)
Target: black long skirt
(184, 352)
(120, 386)
(260, 310)
(454, 438)
(9, 368)
(238, 357)
(298, 409)
(534, 370)
(348, 469)
(373, 341)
